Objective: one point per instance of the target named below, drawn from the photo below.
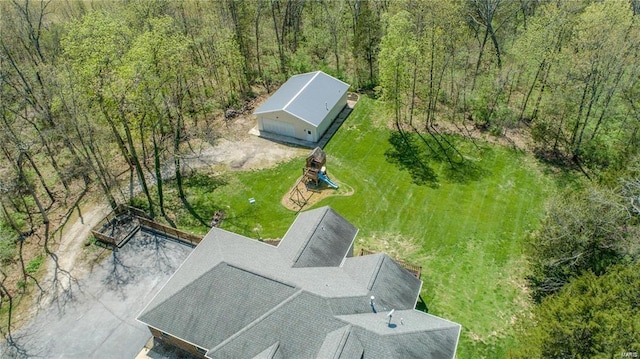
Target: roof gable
(318, 238)
(308, 96)
(410, 334)
(270, 353)
(341, 344)
(286, 93)
(228, 298)
(393, 286)
(300, 325)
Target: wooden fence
(170, 232)
(414, 269)
(136, 212)
(104, 238)
(145, 223)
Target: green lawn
(468, 236)
(466, 232)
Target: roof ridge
(343, 341)
(261, 274)
(293, 98)
(376, 271)
(414, 331)
(219, 252)
(256, 321)
(304, 245)
(148, 309)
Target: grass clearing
(467, 232)
(470, 234)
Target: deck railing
(144, 222)
(170, 232)
(414, 269)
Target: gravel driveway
(96, 316)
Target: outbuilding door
(281, 128)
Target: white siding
(278, 127)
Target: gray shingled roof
(216, 294)
(307, 96)
(300, 325)
(341, 343)
(270, 353)
(412, 334)
(238, 297)
(392, 283)
(318, 238)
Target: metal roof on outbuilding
(308, 96)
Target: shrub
(34, 264)
(7, 246)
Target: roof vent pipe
(390, 315)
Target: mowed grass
(467, 233)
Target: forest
(92, 92)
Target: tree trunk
(525, 101)
(159, 179)
(494, 40)
(279, 37)
(135, 160)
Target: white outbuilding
(303, 107)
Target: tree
(367, 33)
(95, 47)
(241, 17)
(605, 43)
(29, 47)
(585, 63)
(398, 50)
(584, 232)
(158, 75)
(490, 15)
(592, 317)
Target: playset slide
(326, 179)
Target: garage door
(281, 128)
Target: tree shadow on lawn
(415, 154)
(199, 188)
(245, 222)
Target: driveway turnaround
(95, 317)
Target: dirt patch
(234, 148)
(305, 194)
(249, 153)
(517, 137)
(393, 244)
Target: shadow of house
(235, 297)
